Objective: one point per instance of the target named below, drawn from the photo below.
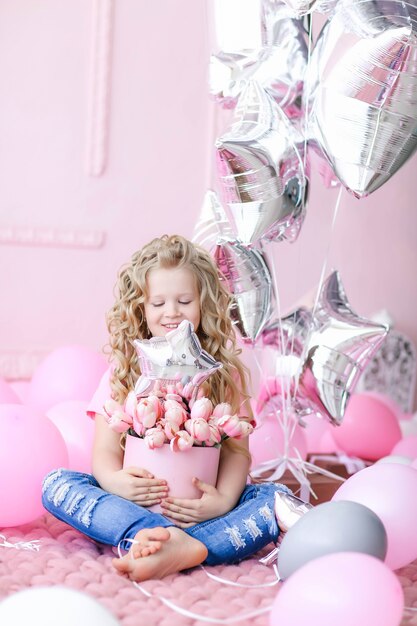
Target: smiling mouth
(171, 326)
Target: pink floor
(68, 558)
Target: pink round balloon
(267, 442)
(21, 389)
(388, 401)
(7, 395)
(319, 435)
(342, 588)
(406, 447)
(369, 429)
(68, 373)
(77, 430)
(30, 447)
(388, 489)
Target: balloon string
(197, 616)
(280, 461)
(33, 546)
(307, 84)
(215, 620)
(235, 584)
(327, 255)
(285, 391)
(320, 285)
(306, 125)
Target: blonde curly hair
(126, 319)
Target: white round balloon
(396, 458)
(49, 606)
(408, 427)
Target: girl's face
(172, 297)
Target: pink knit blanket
(66, 557)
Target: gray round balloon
(331, 527)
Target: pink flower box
(177, 468)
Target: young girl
(168, 281)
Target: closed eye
(188, 302)
(157, 304)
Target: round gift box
(177, 468)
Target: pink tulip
(221, 409)
(200, 392)
(170, 429)
(230, 425)
(174, 412)
(202, 409)
(138, 427)
(246, 430)
(179, 389)
(149, 410)
(158, 390)
(215, 435)
(172, 389)
(182, 441)
(198, 428)
(174, 396)
(188, 390)
(154, 438)
(118, 421)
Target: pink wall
(141, 114)
(152, 138)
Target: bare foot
(148, 542)
(161, 551)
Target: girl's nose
(172, 309)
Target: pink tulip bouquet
(169, 415)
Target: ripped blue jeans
(78, 500)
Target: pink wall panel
(64, 232)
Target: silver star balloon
(288, 335)
(271, 50)
(212, 224)
(249, 281)
(339, 347)
(303, 7)
(260, 167)
(289, 509)
(172, 358)
(363, 85)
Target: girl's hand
(138, 485)
(186, 513)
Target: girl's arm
(235, 464)
(132, 483)
(233, 471)
(107, 453)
